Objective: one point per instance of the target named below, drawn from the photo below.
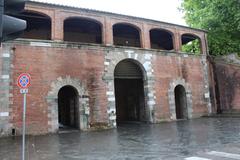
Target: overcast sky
(162, 10)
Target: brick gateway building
(95, 69)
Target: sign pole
(24, 124)
(23, 83)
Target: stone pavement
(199, 139)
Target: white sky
(162, 10)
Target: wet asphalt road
(171, 140)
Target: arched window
(161, 39)
(191, 44)
(82, 30)
(38, 25)
(126, 35)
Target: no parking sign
(23, 83)
(24, 80)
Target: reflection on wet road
(173, 140)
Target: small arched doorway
(180, 102)
(68, 108)
(129, 91)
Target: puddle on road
(129, 141)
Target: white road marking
(196, 158)
(224, 154)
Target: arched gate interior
(129, 91)
(180, 102)
(68, 108)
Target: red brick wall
(227, 77)
(47, 64)
(168, 68)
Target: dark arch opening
(68, 108)
(129, 92)
(38, 25)
(126, 35)
(191, 44)
(180, 102)
(161, 39)
(82, 30)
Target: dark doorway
(129, 92)
(68, 110)
(180, 102)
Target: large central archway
(68, 108)
(129, 91)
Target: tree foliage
(221, 18)
(192, 47)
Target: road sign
(23, 83)
(23, 91)
(24, 80)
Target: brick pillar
(177, 42)
(204, 49)
(108, 32)
(53, 24)
(57, 27)
(145, 37)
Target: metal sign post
(23, 83)
(24, 92)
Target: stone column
(84, 112)
(52, 114)
(6, 56)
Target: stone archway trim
(171, 97)
(144, 60)
(52, 100)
